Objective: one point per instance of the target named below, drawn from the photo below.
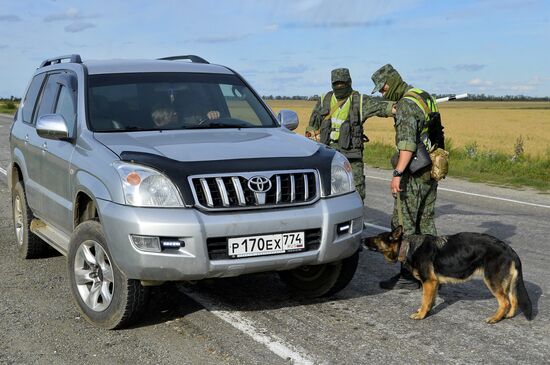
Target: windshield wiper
(218, 125)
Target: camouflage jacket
(409, 121)
(350, 142)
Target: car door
(56, 173)
(25, 144)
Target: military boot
(403, 280)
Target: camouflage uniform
(419, 190)
(351, 138)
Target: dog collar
(403, 250)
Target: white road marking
(376, 226)
(272, 342)
(478, 195)
(3, 171)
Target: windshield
(160, 101)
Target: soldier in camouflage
(340, 114)
(417, 191)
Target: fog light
(146, 243)
(343, 228)
(171, 243)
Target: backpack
(432, 128)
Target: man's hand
(394, 185)
(402, 163)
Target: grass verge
(8, 108)
(480, 166)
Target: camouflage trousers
(357, 169)
(418, 197)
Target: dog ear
(396, 233)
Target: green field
(504, 143)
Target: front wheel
(321, 280)
(103, 294)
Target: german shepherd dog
(454, 259)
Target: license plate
(268, 244)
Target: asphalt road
(253, 319)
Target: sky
(495, 47)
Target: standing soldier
(417, 191)
(339, 115)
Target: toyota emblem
(259, 184)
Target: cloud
(221, 39)
(519, 88)
(480, 83)
(472, 67)
(3, 46)
(78, 27)
(271, 27)
(70, 15)
(9, 18)
(341, 24)
(343, 14)
(298, 69)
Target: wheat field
(493, 126)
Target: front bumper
(194, 227)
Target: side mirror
(288, 119)
(52, 126)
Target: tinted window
(65, 107)
(30, 99)
(47, 98)
(154, 101)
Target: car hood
(211, 145)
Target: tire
(105, 297)
(29, 245)
(321, 280)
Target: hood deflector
(179, 171)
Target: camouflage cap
(340, 75)
(380, 76)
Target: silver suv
(148, 171)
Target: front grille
(233, 191)
(217, 246)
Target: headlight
(146, 187)
(341, 177)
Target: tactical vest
(431, 130)
(343, 129)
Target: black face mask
(342, 92)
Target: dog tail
(523, 298)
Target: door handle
(27, 138)
(44, 146)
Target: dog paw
(492, 320)
(417, 316)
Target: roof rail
(191, 57)
(73, 58)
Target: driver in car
(166, 117)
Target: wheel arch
(88, 190)
(17, 170)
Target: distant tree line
(471, 97)
(11, 98)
